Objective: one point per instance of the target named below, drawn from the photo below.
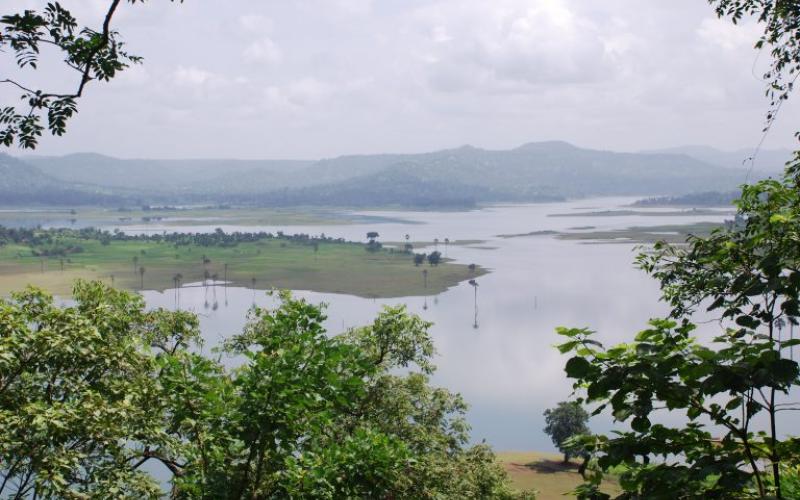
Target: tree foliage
(90, 393)
(781, 20)
(565, 421)
(93, 53)
(732, 390)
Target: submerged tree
(92, 392)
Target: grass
(336, 267)
(545, 473)
(652, 213)
(197, 216)
(675, 234)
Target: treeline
(706, 199)
(38, 237)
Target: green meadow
(335, 267)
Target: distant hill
(21, 182)
(158, 175)
(768, 161)
(537, 171)
(396, 185)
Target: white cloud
(723, 33)
(192, 76)
(263, 51)
(255, 23)
(327, 77)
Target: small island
(54, 258)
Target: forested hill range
(540, 171)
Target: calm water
(506, 368)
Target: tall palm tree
(141, 275)
(214, 278)
(474, 285)
(135, 263)
(446, 242)
(225, 285)
(425, 277)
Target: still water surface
(506, 368)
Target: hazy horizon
(320, 79)
(23, 154)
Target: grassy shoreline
(188, 216)
(546, 473)
(334, 267)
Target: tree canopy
(90, 393)
(565, 421)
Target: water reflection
(510, 372)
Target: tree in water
(474, 285)
(565, 421)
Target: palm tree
(141, 275)
(214, 278)
(135, 263)
(225, 285)
(206, 276)
(253, 286)
(425, 277)
(436, 243)
(446, 242)
(112, 281)
(474, 285)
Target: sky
(312, 79)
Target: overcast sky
(320, 78)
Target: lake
(506, 368)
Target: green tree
(91, 392)
(93, 53)
(434, 258)
(732, 389)
(747, 275)
(565, 421)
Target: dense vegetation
(91, 393)
(706, 199)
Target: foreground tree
(735, 389)
(93, 53)
(92, 392)
(565, 421)
(731, 390)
